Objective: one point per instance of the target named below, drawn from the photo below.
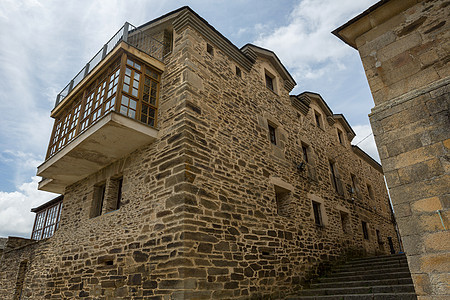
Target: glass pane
(129, 62)
(133, 104)
(127, 80)
(128, 71)
(151, 122)
(137, 66)
(134, 92)
(144, 118)
(152, 113)
(144, 109)
(125, 100)
(132, 113)
(145, 98)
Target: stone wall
(199, 216)
(405, 53)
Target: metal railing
(127, 33)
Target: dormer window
(318, 119)
(340, 137)
(269, 82)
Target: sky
(46, 42)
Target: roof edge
(361, 153)
(48, 203)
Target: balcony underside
(108, 140)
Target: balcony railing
(127, 33)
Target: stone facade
(404, 47)
(213, 209)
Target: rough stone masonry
(248, 192)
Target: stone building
(404, 47)
(189, 172)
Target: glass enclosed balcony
(108, 113)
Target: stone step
(383, 296)
(351, 272)
(386, 289)
(370, 267)
(379, 258)
(366, 277)
(362, 283)
(376, 262)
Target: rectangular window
(305, 153)
(238, 72)
(318, 119)
(269, 82)
(282, 198)
(333, 175)
(98, 198)
(340, 137)
(272, 134)
(355, 189)
(370, 191)
(119, 193)
(317, 213)
(345, 222)
(365, 230)
(20, 279)
(46, 222)
(209, 49)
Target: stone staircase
(380, 278)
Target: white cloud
(15, 216)
(365, 140)
(306, 44)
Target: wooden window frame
(41, 224)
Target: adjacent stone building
(189, 172)
(405, 49)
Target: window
(238, 72)
(107, 197)
(269, 82)
(305, 153)
(318, 119)
(46, 222)
(340, 137)
(282, 197)
(333, 175)
(355, 189)
(345, 222)
(370, 191)
(317, 213)
(209, 49)
(272, 134)
(365, 230)
(379, 239)
(98, 198)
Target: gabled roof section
(322, 104)
(348, 129)
(253, 52)
(358, 151)
(185, 16)
(48, 204)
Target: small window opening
(365, 230)
(269, 81)
(305, 153)
(238, 72)
(379, 239)
(98, 198)
(370, 191)
(282, 197)
(354, 185)
(272, 134)
(318, 119)
(345, 222)
(209, 49)
(317, 213)
(333, 175)
(119, 193)
(340, 137)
